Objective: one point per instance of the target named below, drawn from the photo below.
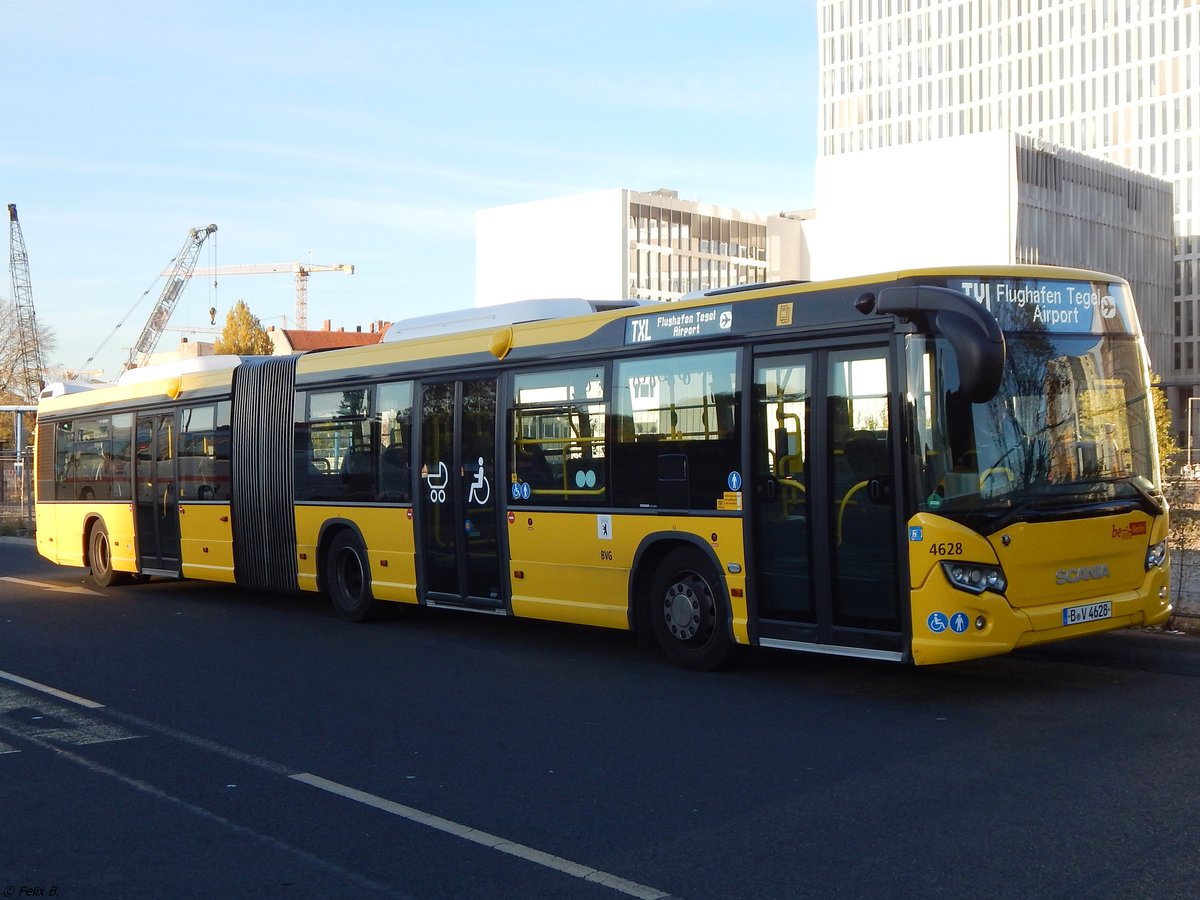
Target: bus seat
(533, 467)
(865, 453)
(395, 474)
(356, 473)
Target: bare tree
(11, 378)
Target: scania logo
(1083, 573)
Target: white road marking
(158, 793)
(202, 743)
(89, 733)
(53, 692)
(56, 723)
(50, 586)
(465, 832)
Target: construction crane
(30, 366)
(177, 279)
(300, 270)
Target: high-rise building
(997, 197)
(612, 244)
(1118, 79)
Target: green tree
(243, 334)
(1167, 448)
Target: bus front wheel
(348, 575)
(100, 557)
(688, 612)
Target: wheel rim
(351, 578)
(100, 553)
(689, 609)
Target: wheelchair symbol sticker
(937, 622)
(481, 488)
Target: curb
(1185, 623)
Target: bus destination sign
(678, 324)
(1059, 306)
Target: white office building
(613, 244)
(1117, 79)
(997, 197)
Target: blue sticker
(734, 481)
(916, 533)
(516, 490)
(937, 622)
(525, 490)
(959, 622)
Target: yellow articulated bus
(922, 466)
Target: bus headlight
(1155, 555)
(974, 578)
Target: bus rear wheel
(348, 576)
(688, 613)
(100, 557)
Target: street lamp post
(1191, 402)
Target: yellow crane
(300, 270)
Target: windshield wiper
(1150, 499)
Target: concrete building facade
(1117, 79)
(997, 197)
(618, 243)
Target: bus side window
(683, 411)
(392, 445)
(557, 449)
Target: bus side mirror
(972, 331)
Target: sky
(366, 133)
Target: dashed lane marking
(53, 692)
(558, 863)
(150, 790)
(77, 729)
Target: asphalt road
(186, 739)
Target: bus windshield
(1071, 425)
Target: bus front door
(457, 504)
(157, 498)
(824, 517)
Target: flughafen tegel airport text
(1059, 304)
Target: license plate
(1077, 615)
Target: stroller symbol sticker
(437, 483)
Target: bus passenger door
(823, 516)
(157, 497)
(782, 515)
(861, 474)
(457, 495)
